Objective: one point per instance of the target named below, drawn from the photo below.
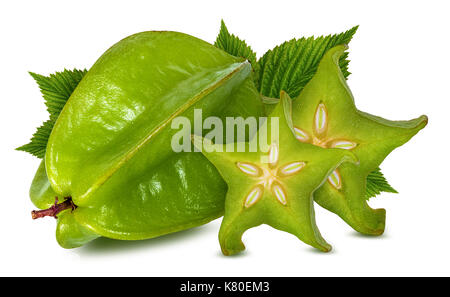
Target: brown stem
(54, 209)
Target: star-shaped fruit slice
(273, 184)
(325, 115)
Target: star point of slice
(325, 115)
(273, 186)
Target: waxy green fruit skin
(110, 147)
(41, 192)
(327, 102)
(198, 201)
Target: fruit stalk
(54, 209)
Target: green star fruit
(325, 115)
(272, 185)
(109, 157)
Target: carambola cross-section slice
(325, 115)
(274, 184)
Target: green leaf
(291, 65)
(234, 46)
(56, 90)
(377, 183)
(38, 142)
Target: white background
(400, 64)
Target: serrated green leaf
(56, 90)
(38, 142)
(234, 46)
(291, 65)
(377, 183)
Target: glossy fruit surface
(110, 147)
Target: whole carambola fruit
(110, 148)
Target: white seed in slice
(301, 135)
(279, 193)
(254, 195)
(273, 154)
(320, 119)
(249, 169)
(335, 179)
(344, 144)
(291, 168)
